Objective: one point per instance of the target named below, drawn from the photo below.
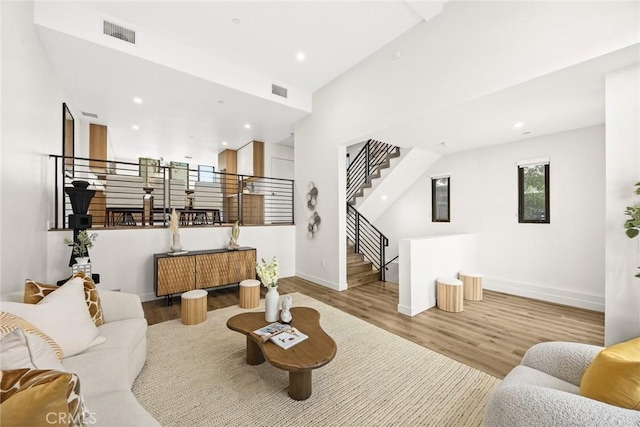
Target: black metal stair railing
(367, 164)
(367, 239)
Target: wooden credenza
(202, 270)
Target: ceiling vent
(94, 115)
(280, 91)
(119, 32)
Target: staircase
(368, 164)
(359, 270)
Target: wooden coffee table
(312, 353)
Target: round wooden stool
(194, 307)
(472, 284)
(249, 293)
(449, 294)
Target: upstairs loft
(124, 194)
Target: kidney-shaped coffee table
(312, 353)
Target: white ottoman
(472, 284)
(449, 294)
(249, 293)
(194, 307)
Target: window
(206, 173)
(533, 193)
(440, 210)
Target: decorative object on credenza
(268, 274)
(285, 314)
(176, 247)
(632, 225)
(235, 233)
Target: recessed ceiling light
(247, 126)
(224, 142)
(518, 125)
(220, 101)
(300, 56)
(137, 100)
(236, 21)
(444, 144)
(397, 54)
(135, 127)
(526, 133)
(384, 197)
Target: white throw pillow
(21, 350)
(62, 315)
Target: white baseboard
(320, 281)
(559, 296)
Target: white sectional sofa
(107, 371)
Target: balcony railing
(131, 194)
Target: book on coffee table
(282, 335)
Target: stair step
(354, 258)
(363, 278)
(358, 267)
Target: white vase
(176, 247)
(82, 260)
(271, 302)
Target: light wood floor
(489, 335)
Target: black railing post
(57, 207)
(366, 163)
(356, 244)
(240, 198)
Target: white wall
(470, 50)
(562, 261)
(32, 100)
(622, 315)
(276, 151)
(124, 257)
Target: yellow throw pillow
(614, 376)
(31, 397)
(9, 322)
(34, 292)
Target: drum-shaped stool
(449, 294)
(194, 307)
(472, 284)
(249, 293)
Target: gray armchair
(544, 390)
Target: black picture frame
(68, 140)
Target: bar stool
(472, 284)
(449, 294)
(249, 293)
(194, 307)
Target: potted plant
(268, 273)
(632, 225)
(81, 246)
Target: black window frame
(433, 199)
(547, 192)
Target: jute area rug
(197, 376)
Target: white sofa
(544, 390)
(107, 371)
